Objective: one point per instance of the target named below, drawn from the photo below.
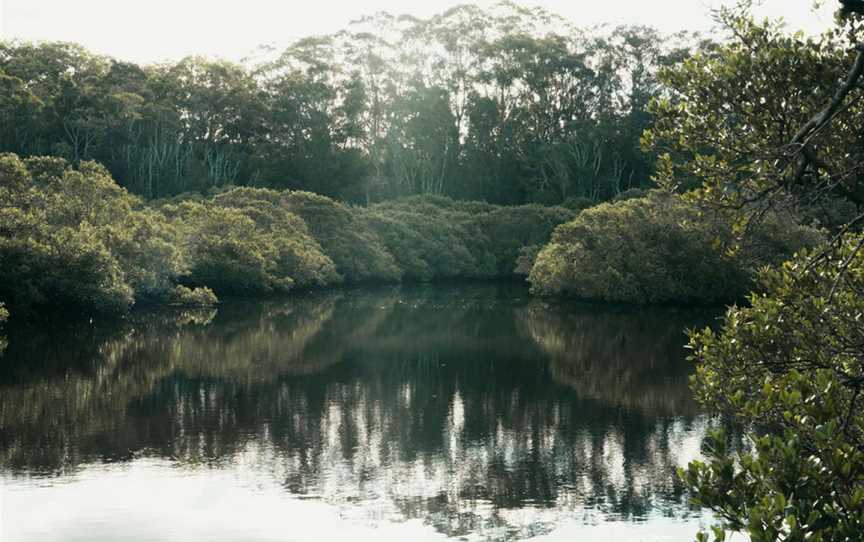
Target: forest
(607, 164)
(398, 149)
(506, 105)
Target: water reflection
(476, 410)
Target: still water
(409, 413)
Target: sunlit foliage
(731, 128)
(65, 237)
(74, 238)
(357, 251)
(434, 237)
(658, 249)
(506, 104)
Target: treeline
(72, 237)
(506, 105)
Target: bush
(198, 297)
(511, 230)
(102, 247)
(74, 238)
(439, 238)
(298, 253)
(356, 250)
(427, 247)
(431, 238)
(791, 367)
(658, 249)
(55, 233)
(148, 250)
(226, 251)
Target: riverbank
(75, 242)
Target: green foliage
(244, 241)
(429, 247)
(438, 238)
(297, 253)
(227, 251)
(141, 242)
(432, 239)
(657, 249)
(356, 249)
(773, 120)
(73, 237)
(197, 297)
(790, 366)
(55, 238)
(471, 103)
(511, 229)
(732, 114)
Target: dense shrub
(432, 239)
(427, 247)
(298, 253)
(58, 231)
(147, 249)
(436, 237)
(197, 297)
(658, 249)
(226, 251)
(356, 249)
(72, 237)
(790, 366)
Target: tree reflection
(454, 405)
(621, 356)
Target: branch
(823, 117)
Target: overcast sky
(154, 30)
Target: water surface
(421, 413)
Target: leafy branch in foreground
(792, 366)
(776, 120)
(767, 120)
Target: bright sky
(154, 30)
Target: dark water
(469, 413)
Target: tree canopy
(770, 121)
(507, 104)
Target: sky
(161, 30)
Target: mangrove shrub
(657, 249)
